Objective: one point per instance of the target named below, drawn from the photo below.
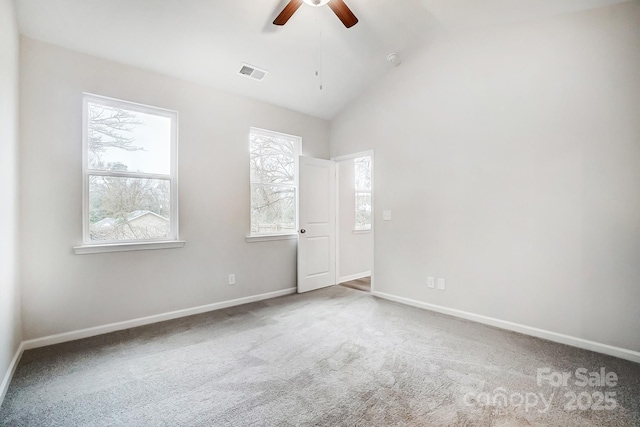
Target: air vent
(252, 72)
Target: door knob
(302, 230)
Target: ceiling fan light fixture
(316, 3)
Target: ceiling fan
(339, 8)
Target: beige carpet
(333, 357)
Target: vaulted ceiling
(206, 41)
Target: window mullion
(266, 184)
(128, 174)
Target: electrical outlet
(232, 279)
(441, 284)
(431, 282)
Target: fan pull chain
(320, 60)
(319, 70)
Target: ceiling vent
(252, 72)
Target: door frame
(337, 160)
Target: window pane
(272, 160)
(363, 173)
(273, 209)
(128, 208)
(363, 211)
(125, 140)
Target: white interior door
(317, 224)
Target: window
(274, 182)
(130, 172)
(363, 192)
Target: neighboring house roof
(140, 213)
(105, 223)
(132, 216)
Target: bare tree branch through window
(273, 182)
(128, 172)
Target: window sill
(271, 237)
(122, 247)
(362, 231)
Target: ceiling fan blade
(343, 13)
(287, 12)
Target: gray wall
(510, 159)
(355, 250)
(65, 292)
(10, 328)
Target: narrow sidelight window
(363, 193)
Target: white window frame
(297, 143)
(92, 246)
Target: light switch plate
(431, 282)
(441, 284)
(386, 215)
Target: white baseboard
(354, 276)
(112, 327)
(622, 353)
(10, 371)
(610, 350)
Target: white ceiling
(205, 41)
